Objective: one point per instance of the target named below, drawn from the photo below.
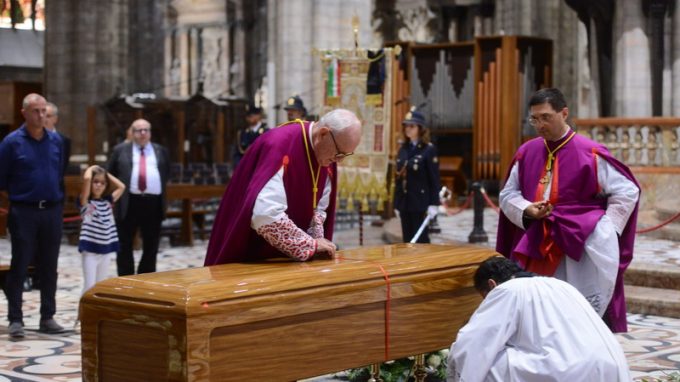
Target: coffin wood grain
(278, 320)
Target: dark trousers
(144, 212)
(35, 235)
(410, 222)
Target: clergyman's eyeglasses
(339, 154)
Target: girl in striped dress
(98, 235)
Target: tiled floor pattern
(652, 345)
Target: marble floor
(652, 345)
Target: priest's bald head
(336, 136)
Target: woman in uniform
(417, 184)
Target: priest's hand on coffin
(538, 210)
(325, 248)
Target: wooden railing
(638, 142)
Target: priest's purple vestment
(578, 206)
(232, 238)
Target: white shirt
(255, 127)
(153, 176)
(536, 329)
(271, 203)
(595, 275)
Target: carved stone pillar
(675, 61)
(632, 79)
(86, 60)
(656, 10)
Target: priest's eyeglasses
(541, 118)
(339, 154)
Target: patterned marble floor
(652, 345)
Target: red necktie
(141, 182)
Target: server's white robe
(536, 329)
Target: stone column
(587, 92)
(85, 61)
(632, 81)
(294, 73)
(675, 61)
(561, 25)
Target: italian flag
(333, 83)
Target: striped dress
(98, 230)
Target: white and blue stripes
(98, 232)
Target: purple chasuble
(579, 206)
(232, 239)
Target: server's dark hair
(553, 96)
(498, 269)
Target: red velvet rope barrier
(489, 201)
(643, 230)
(654, 228)
(466, 204)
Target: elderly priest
(281, 199)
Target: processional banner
(360, 81)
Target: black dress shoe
(16, 330)
(50, 327)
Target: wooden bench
(451, 174)
(279, 320)
(186, 193)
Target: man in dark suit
(144, 167)
(51, 119)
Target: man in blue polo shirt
(30, 171)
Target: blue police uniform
(244, 139)
(416, 186)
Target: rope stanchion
(660, 225)
(489, 201)
(72, 219)
(466, 204)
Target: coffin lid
(197, 289)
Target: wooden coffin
(279, 320)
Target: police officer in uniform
(246, 136)
(295, 108)
(417, 184)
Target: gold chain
(315, 179)
(551, 154)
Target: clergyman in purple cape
(281, 198)
(569, 210)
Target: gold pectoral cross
(545, 179)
